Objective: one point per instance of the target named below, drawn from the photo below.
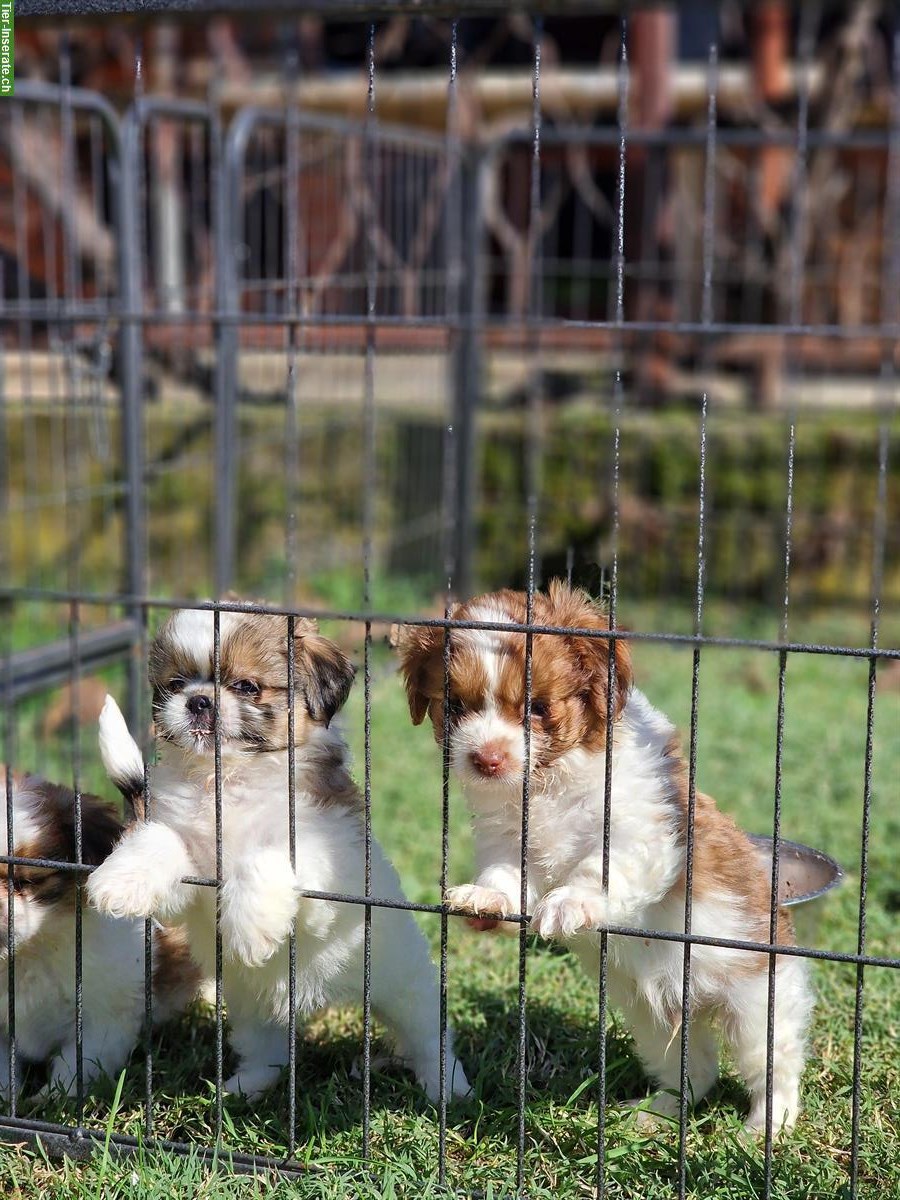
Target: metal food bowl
(804, 875)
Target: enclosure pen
(333, 250)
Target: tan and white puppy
(261, 892)
(41, 921)
(648, 823)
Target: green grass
(823, 774)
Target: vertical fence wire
(890, 315)
(9, 758)
(292, 853)
(532, 502)
(292, 487)
(217, 767)
(8, 613)
(709, 197)
(75, 650)
(453, 197)
(130, 226)
(68, 306)
(292, 462)
(799, 229)
(622, 89)
(371, 181)
(23, 291)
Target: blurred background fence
(186, 310)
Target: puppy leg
(405, 996)
(497, 889)
(659, 1049)
(262, 1051)
(259, 901)
(104, 1051)
(746, 1025)
(142, 877)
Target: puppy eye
(456, 707)
(245, 687)
(539, 709)
(177, 684)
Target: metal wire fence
(226, 305)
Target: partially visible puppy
(260, 896)
(648, 830)
(41, 922)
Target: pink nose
(490, 760)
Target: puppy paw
(253, 942)
(459, 1085)
(259, 901)
(785, 1108)
(429, 1080)
(124, 888)
(651, 1115)
(569, 910)
(251, 1081)
(486, 905)
(143, 875)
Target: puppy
(42, 922)
(648, 831)
(260, 896)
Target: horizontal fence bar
(62, 312)
(394, 618)
(40, 667)
(661, 935)
(79, 1142)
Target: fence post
(468, 364)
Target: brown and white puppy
(40, 925)
(261, 895)
(648, 824)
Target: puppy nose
(199, 704)
(489, 760)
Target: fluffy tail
(121, 756)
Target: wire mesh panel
(632, 326)
(304, 213)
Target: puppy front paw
(486, 906)
(259, 902)
(250, 1081)
(569, 910)
(122, 887)
(457, 1085)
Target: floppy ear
(100, 829)
(576, 608)
(325, 673)
(421, 655)
(596, 651)
(100, 826)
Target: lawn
(822, 804)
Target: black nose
(199, 704)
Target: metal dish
(804, 874)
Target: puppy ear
(100, 826)
(596, 651)
(100, 830)
(573, 607)
(324, 670)
(421, 660)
